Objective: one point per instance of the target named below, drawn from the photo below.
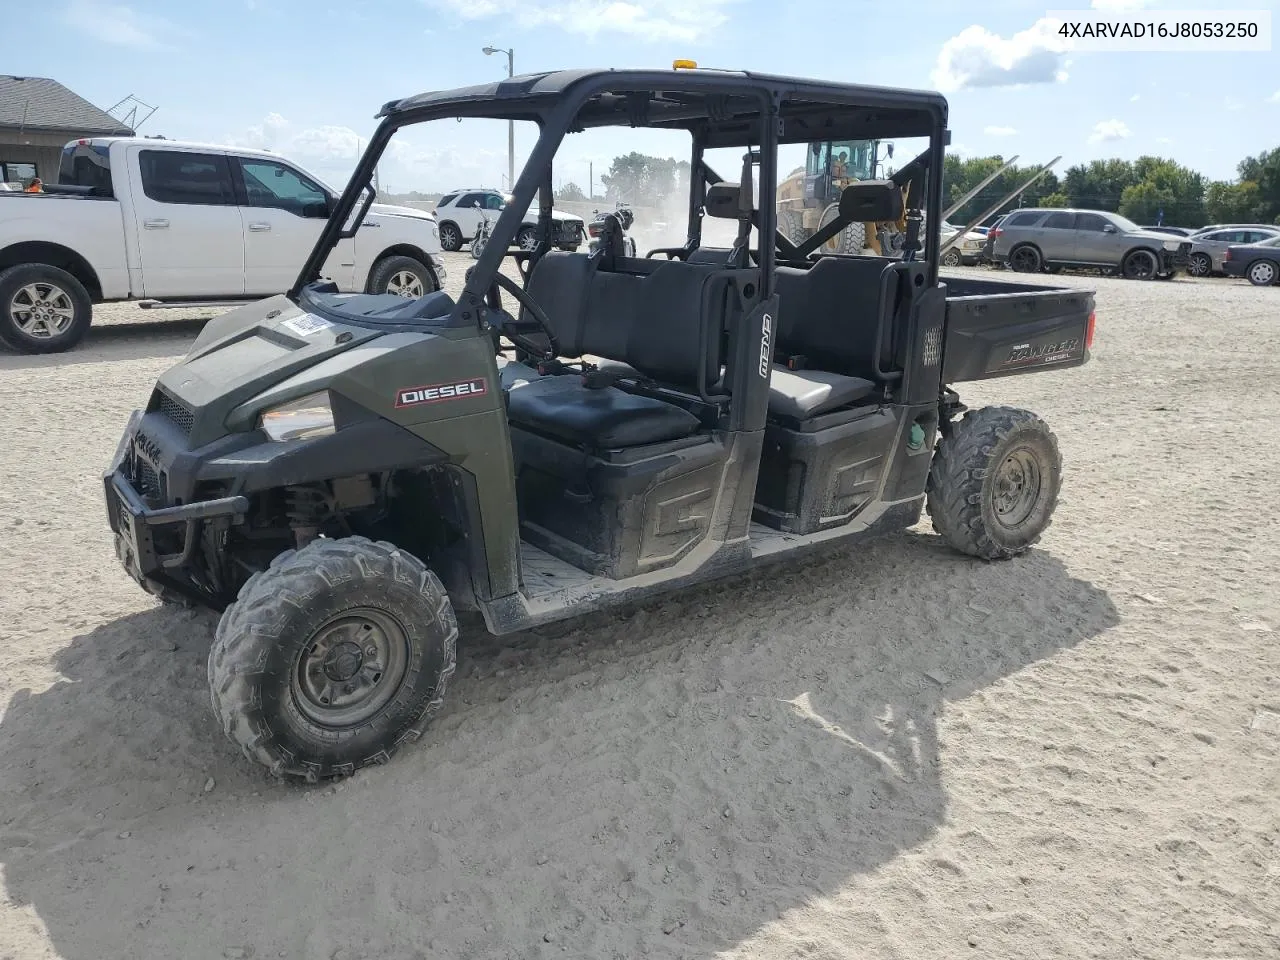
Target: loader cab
(829, 165)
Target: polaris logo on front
(766, 345)
(434, 393)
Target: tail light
(1227, 255)
(995, 232)
(1088, 331)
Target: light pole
(511, 124)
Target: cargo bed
(996, 328)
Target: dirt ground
(896, 752)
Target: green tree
(1231, 202)
(571, 192)
(1099, 184)
(1143, 202)
(1263, 170)
(641, 179)
(1053, 200)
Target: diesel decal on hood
(435, 392)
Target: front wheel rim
(42, 310)
(1016, 488)
(1199, 266)
(1140, 266)
(528, 240)
(351, 667)
(1262, 273)
(1025, 260)
(404, 283)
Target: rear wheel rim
(405, 283)
(1025, 260)
(1199, 265)
(1016, 488)
(448, 236)
(1262, 273)
(528, 240)
(42, 310)
(351, 667)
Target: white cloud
(1135, 98)
(1119, 6)
(1231, 103)
(976, 57)
(959, 149)
(1274, 98)
(680, 20)
(1106, 131)
(1164, 140)
(999, 131)
(118, 25)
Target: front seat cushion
(801, 394)
(603, 418)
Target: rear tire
(403, 277)
(42, 309)
(791, 226)
(951, 258)
(1025, 259)
(333, 658)
(849, 241)
(1263, 273)
(450, 237)
(994, 482)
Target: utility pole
(511, 124)
(591, 180)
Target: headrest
(870, 201)
(724, 201)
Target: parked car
(460, 211)
(1258, 262)
(993, 231)
(164, 220)
(1204, 255)
(1172, 231)
(966, 252)
(1036, 239)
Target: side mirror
(889, 150)
(1109, 228)
(319, 210)
(816, 148)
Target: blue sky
(304, 77)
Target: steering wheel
(516, 330)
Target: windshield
(1124, 223)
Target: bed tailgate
(997, 329)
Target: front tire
(527, 239)
(1200, 265)
(403, 277)
(333, 658)
(1263, 273)
(42, 309)
(951, 258)
(1140, 265)
(849, 242)
(994, 482)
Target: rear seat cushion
(603, 418)
(801, 394)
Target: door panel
(1058, 237)
(1093, 243)
(283, 213)
(189, 233)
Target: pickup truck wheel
(994, 482)
(1200, 265)
(951, 258)
(1025, 259)
(527, 238)
(42, 309)
(1263, 273)
(1140, 265)
(450, 237)
(402, 276)
(332, 658)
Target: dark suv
(1033, 240)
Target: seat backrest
(829, 314)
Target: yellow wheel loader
(808, 199)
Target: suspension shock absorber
(305, 508)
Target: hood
(388, 210)
(1155, 235)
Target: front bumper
(155, 542)
(568, 232)
(438, 265)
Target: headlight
(1172, 245)
(302, 419)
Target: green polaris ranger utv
(338, 473)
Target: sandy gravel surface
(893, 753)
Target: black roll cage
(825, 111)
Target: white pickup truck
(172, 223)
